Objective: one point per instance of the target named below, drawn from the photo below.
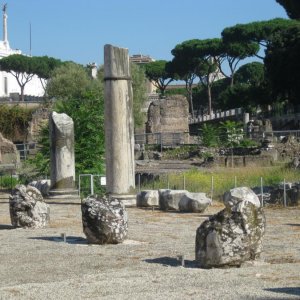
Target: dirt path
(37, 264)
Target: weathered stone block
(147, 198)
(104, 221)
(234, 235)
(182, 200)
(27, 208)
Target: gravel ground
(38, 264)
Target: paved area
(38, 264)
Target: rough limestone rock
(8, 151)
(104, 221)
(234, 235)
(169, 199)
(42, 185)
(182, 200)
(194, 202)
(147, 198)
(27, 208)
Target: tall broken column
(62, 158)
(119, 138)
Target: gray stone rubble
(42, 185)
(147, 198)
(104, 221)
(182, 200)
(27, 208)
(234, 235)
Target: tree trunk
(209, 99)
(22, 93)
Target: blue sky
(78, 29)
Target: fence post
(212, 188)
(262, 191)
(168, 182)
(284, 193)
(79, 185)
(235, 181)
(184, 181)
(139, 182)
(92, 184)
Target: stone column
(62, 158)
(119, 136)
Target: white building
(9, 88)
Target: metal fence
(162, 138)
(91, 184)
(284, 193)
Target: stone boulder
(194, 202)
(182, 200)
(147, 198)
(27, 208)
(104, 220)
(234, 235)
(42, 185)
(8, 151)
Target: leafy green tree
(44, 66)
(184, 66)
(252, 73)
(157, 73)
(209, 135)
(233, 53)
(231, 133)
(70, 80)
(21, 67)
(282, 65)
(292, 8)
(85, 105)
(260, 32)
(139, 93)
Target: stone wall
(8, 152)
(169, 114)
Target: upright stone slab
(62, 158)
(119, 138)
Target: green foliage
(292, 8)
(158, 74)
(68, 81)
(38, 166)
(282, 65)
(209, 135)
(14, 119)
(85, 105)
(251, 73)
(231, 133)
(223, 179)
(139, 93)
(261, 32)
(8, 182)
(88, 117)
(182, 152)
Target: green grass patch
(223, 179)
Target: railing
(237, 112)
(162, 138)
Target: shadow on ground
(74, 240)
(172, 262)
(286, 290)
(4, 227)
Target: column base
(64, 194)
(127, 200)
